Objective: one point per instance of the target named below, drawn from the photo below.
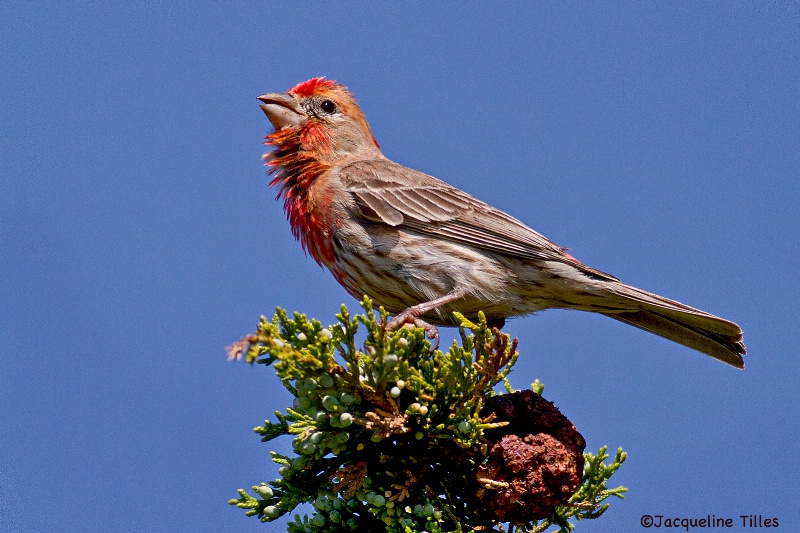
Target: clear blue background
(658, 141)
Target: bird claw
(408, 317)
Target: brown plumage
(423, 249)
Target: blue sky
(659, 141)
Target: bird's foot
(410, 316)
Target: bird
(423, 249)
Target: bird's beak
(282, 110)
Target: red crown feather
(310, 87)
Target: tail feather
(704, 332)
(726, 349)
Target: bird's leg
(412, 314)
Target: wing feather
(380, 209)
(403, 197)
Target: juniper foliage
(387, 435)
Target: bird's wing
(392, 194)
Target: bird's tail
(704, 332)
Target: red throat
(295, 172)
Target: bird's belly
(399, 269)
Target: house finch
(423, 249)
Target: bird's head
(319, 116)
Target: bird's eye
(328, 106)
